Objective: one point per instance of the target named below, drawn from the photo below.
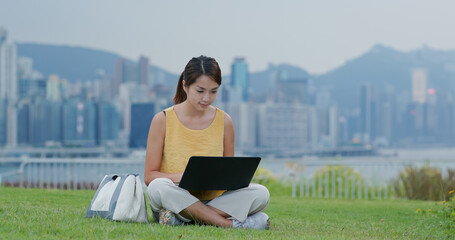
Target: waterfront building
(141, 117)
(79, 122)
(367, 113)
(231, 95)
(8, 86)
(8, 68)
(283, 127)
(244, 117)
(102, 86)
(144, 71)
(32, 87)
(3, 119)
(118, 75)
(125, 72)
(239, 77)
(419, 86)
(23, 122)
(46, 122)
(290, 90)
(108, 123)
(54, 88)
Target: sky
(316, 35)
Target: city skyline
(77, 114)
(313, 35)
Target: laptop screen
(218, 173)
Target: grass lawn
(59, 214)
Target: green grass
(59, 214)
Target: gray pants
(163, 193)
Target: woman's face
(202, 93)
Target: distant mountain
(79, 63)
(385, 67)
(263, 81)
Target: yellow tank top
(180, 143)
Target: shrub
(275, 186)
(425, 183)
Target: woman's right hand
(177, 177)
(174, 177)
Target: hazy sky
(317, 35)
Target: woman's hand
(177, 177)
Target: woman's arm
(154, 152)
(229, 136)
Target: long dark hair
(195, 68)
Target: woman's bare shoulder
(159, 119)
(227, 119)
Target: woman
(192, 127)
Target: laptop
(218, 173)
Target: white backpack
(119, 197)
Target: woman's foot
(259, 220)
(168, 218)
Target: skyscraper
(141, 117)
(46, 126)
(108, 123)
(8, 68)
(8, 85)
(79, 122)
(3, 118)
(53, 88)
(283, 127)
(127, 72)
(239, 76)
(419, 86)
(118, 76)
(290, 90)
(23, 122)
(144, 71)
(367, 113)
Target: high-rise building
(118, 75)
(31, 83)
(419, 86)
(144, 71)
(102, 86)
(32, 88)
(446, 120)
(367, 113)
(322, 98)
(244, 117)
(25, 67)
(53, 88)
(79, 122)
(108, 123)
(12, 125)
(127, 72)
(283, 127)
(46, 122)
(8, 68)
(3, 120)
(327, 125)
(230, 95)
(3, 34)
(23, 122)
(8, 85)
(290, 90)
(431, 113)
(239, 77)
(141, 117)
